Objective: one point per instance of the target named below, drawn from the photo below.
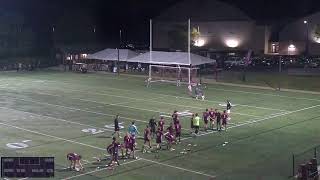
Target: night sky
(108, 16)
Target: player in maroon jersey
(147, 139)
(161, 123)
(205, 117)
(130, 146)
(113, 148)
(170, 137)
(218, 118)
(212, 117)
(75, 161)
(224, 118)
(159, 134)
(126, 144)
(178, 127)
(175, 117)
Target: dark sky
(132, 15)
(139, 9)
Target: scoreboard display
(22, 167)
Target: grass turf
(51, 109)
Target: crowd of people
(168, 136)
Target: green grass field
(272, 79)
(51, 110)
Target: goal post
(173, 74)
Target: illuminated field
(53, 113)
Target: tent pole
(189, 75)
(150, 46)
(118, 64)
(189, 49)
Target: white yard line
(95, 147)
(150, 100)
(97, 170)
(51, 136)
(274, 116)
(91, 146)
(266, 94)
(62, 120)
(183, 169)
(75, 109)
(258, 120)
(136, 99)
(57, 119)
(165, 95)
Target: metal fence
(304, 158)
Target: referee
(116, 126)
(196, 123)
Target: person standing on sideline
(229, 106)
(196, 123)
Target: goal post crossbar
(172, 74)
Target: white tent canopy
(171, 58)
(112, 55)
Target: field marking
(277, 115)
(143, 109)
(94, 147)
(238, 91)
(72, 108)
(51, 136)
(97, 170)
(62, 120)
(57, 119)
(183, 169)
(266, 94)
(144, 100)
(259, 120)
(166, 95)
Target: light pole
(307, 38)
(118, 63)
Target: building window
(274, 48)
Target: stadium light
(199, 42)
(305, 22)
(232, 43)
(291, 48)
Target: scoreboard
(22, 167)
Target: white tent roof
(112, 55)
(175, 58)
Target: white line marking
(166, 95)
(266, 94)
(55, 137)
(75, 109)
(57, 119)
(121, 104)
(75, 142)
(83, 144)
(97, 170)
(152, 100)
(63, 120)
(259, 120)
(183, 169)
